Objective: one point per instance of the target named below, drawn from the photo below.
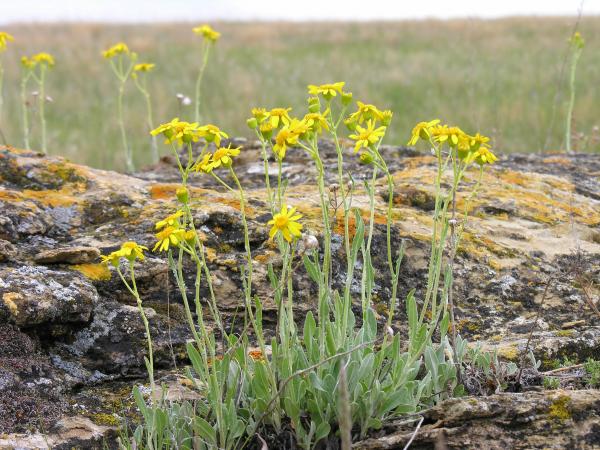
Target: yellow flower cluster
(207, 32)
(119, 48)
(469, 148)
(186, 132)
(4, 39)
(129, 250)
(42, 59)
(376, 126)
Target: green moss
(565, 333)
(559, 409)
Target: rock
(33, 296)
(69, 255)
(68, 433)
(531, 420)
(76, 337)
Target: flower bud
(182, 194)
(346, 98)
(314, 104)
(252, 123)
(365, 158)
(386, 117)
(350, 124)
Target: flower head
(170, 235)
(207, 32)
(43, 59)
(483, 156)
(178, 131)
(366, 137)
(28, 63)
(133, 251)
(212, 133)
(205, 164)
(422, 130)
(279, 116)
(118, 49)
(4, 38)
(289, 136)
(169, 221)
(144, 67)
(260, 114)
(577, 40)
(316, 122)
(222, 156)
(129, 250)
(366, 112)
(444, 133)
(286, 223)
(328, 91)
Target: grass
(500, 76)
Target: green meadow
(506, 78)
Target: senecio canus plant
(336, 374)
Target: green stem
(25, 107)
(206, 47)
(576, 56)
(143, 88)
(126, 148)
(41, 106)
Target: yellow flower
(279, 116)
(178, 131)
(212, 133)
(266, 129)
(170, 221)
(478, 140)
(222, 157)
(260, 114)
(27, 62)
(117, 49)
(144, 67)
(483, 156)
(316, 121)
(207, 32)
(43, 58)
(286, 223)
(327, 90)
(366, 137)
(288, 136)
(366, 112)
(4, 38)
(577, 40)
(113, 258)
(170, 235)
(204, 165)
(444, 133)
(133, 251)
(422, 131)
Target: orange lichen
(96, 272)
(163, 191)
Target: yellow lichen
(510, 353)
(105, 419)
(96, 272)
(10, 300)
(559, 409)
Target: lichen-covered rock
(531, 420)
(34, 295)
(529, 260)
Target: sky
(296, 10)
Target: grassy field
(500, 77)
